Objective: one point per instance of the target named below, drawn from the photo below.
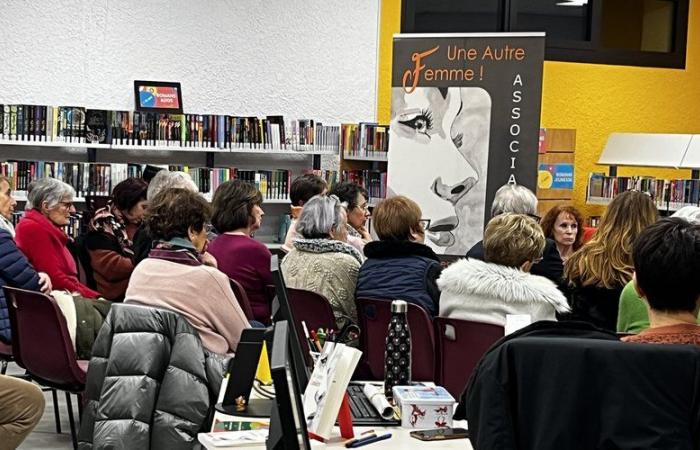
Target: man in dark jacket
(516, 199)
(568, 385)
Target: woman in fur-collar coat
(487, 291)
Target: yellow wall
(595, 99)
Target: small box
(424, 407)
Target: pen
(369, 440)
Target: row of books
(70, 124)
(372, 180)
(364, 140)
(88, 179)
(272, 184)
(667, 194)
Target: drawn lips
(455, 192)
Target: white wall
(300, 58)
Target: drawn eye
(422, 123)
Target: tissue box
(424, 407)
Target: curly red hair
(550, 218)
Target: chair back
(41, 340)
(374, 316)
(311, 308)
(242, 298)
(460, 346)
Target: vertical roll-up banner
(465, 118)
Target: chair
(374, 315)
(311, 308)
(460, 346)
(242, 298)
(42, 345)
(5, 356)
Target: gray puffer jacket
(147, 383)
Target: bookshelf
(557, 148)
(676, 151)
(364, 157)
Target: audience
(143, 242)
(41, 238)
(301, 191)
(321, 261)
(109, 240)
(15, 270)
(237, 215)
(564, 225)
(666, 266)
(487, 291)
(516, 199)
(596, 274)
(399, 265)
(21, 409)
(174, 277)
(632, 316)
(355, 199)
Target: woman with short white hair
(41, 237)
(321, 261)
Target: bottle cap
(399, 306)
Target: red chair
(311, 308)
(460, 346)
(242, 298)
(373, 316)
(42, 345)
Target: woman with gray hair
(321, 261)
(40, 235)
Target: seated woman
(41, 238)
(564, 225)
(666, 266)
(596, 274)
(632, 316)
(109, 241)
(487, 291)
(237, 215)
(399, 265)
(15, 270)
(355, 198)
(321, 261)
(173, 276)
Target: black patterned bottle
(397, 354)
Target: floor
(44, 436)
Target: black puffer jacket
(147, 384)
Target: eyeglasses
(67, 205)
(534, 217)
(425, 223)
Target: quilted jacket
(149, 383)
(15, 271)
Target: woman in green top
(632, 315)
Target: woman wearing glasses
(399, 265)
(355, 198)
(490, 290)
(40, 235)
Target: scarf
(7, 226)
(327, 246)
(110, 220)
(177, 250)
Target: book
(96, 126)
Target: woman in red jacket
(41, 238)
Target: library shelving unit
(364, 157)
(557, 146)
(674, 151)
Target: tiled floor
(44, 436)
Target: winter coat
(484, 292)
(45, 246)
(568, 385)
(15, 271)
(150, 384)
(551, 266)
(327, 267)
(400, 270)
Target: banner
(465, 114)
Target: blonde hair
(396, 218)
(512, 239)
(606, 261)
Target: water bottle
(397, 353)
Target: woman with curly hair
(564, 225)
(597, 273)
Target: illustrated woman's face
(565, 229)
